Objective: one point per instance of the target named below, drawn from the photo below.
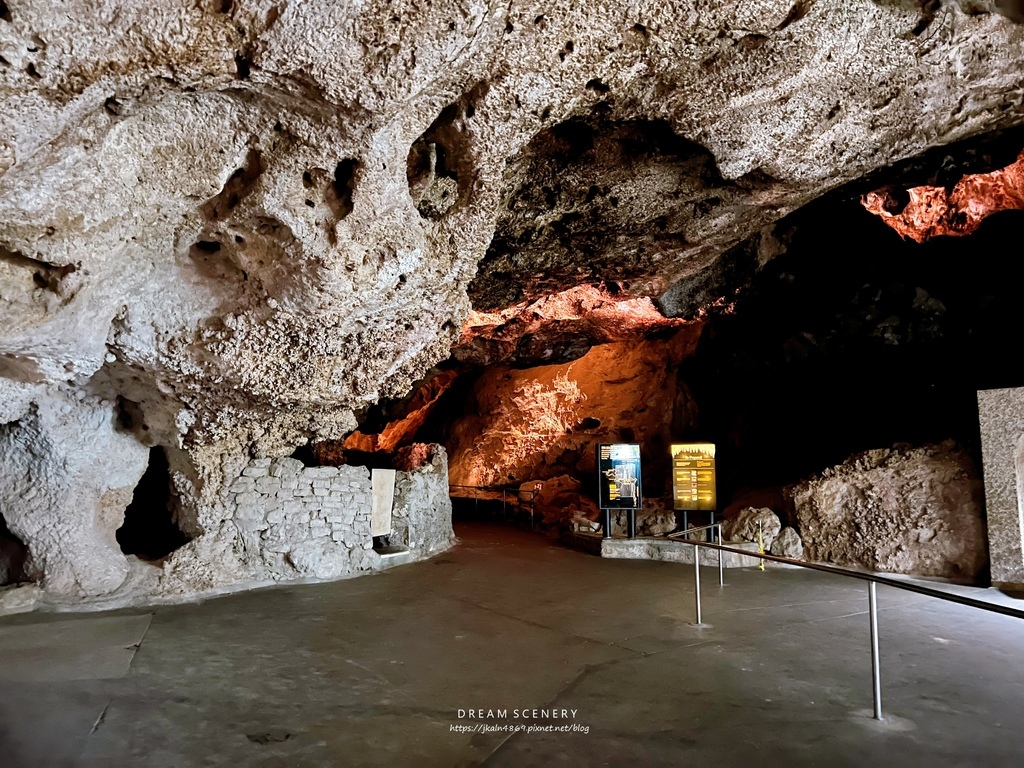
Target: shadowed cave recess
(361, 269)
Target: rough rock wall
(239, 223)
(904, 510)
(67, 472)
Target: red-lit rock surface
(402, 430)
(559, 327)
(934, 211)
(543, 422)
(413, 456)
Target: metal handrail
(696, 556)
(505, 491)
(872, 579)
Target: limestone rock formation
(749, 522)
(904, 510)
(228, 228)
(559, 500)
(788, 544)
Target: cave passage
(149, 530)
(13, 554)
(856, 342)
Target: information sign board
(693, 476)
(618, 476)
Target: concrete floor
(373, 671)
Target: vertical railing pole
(696, 579)
(721, 575)
(876, 667)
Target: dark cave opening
(150, 531)
(856, 339)
(13, 555)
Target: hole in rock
(430, 169)
(305, 454)
(339, 195)
(243, 66)
(237, 187)
(5, 12)
(150, 530)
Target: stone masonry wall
(296, 521)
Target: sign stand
(618, 484)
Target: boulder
(745, 526)
(788, 544)
(905, 510)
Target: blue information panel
(618, 476)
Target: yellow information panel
(693, 476)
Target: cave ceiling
(255, 218)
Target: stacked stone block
(303, 521)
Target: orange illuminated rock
(559, 327)
(543, 422)
(934, 211)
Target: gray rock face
(788, 544)
(746, 525)
(227, 227)
(905, 510)
(422, 517)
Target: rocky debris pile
(902, 509)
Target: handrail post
(721, 575)
(876, 667)
(696, 578)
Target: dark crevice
(5, 12)
(238, 186)
(339, 194)
(13, 556)
(150, 530)
(305, 454)
(243, 66)
(45, 276)
(797, 12)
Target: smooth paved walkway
(374, 670)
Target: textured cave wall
(252, 220)
(66, 475)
